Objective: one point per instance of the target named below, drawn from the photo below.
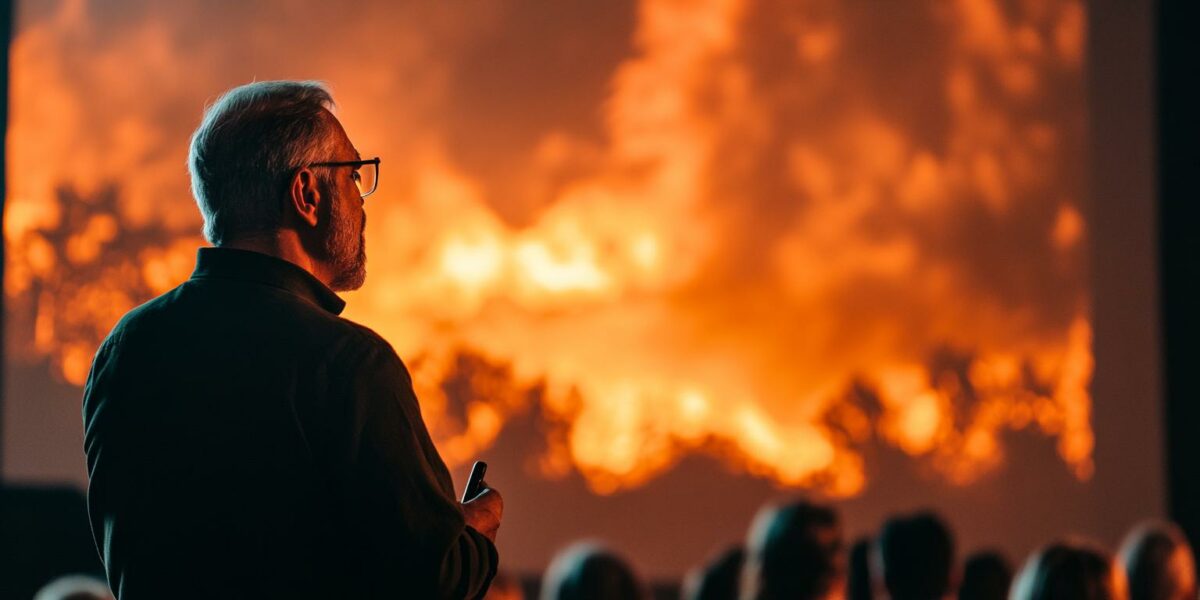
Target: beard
(345, 246)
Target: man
(74, 587)
(986, 575)
(587, 570)
(794, 552)
(1071, 570)
(916, 557)
(718, 579)
(243, 441)
(1158, 562)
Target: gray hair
(246, 148)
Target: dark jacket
(243, 441)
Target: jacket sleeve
(469, 566)
(398, 492)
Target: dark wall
(44, 534)
(1179, 167)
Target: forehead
(342, 145)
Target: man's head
(255, 162)
(985, 576)
(794, 551)
(75, 587)
(718, 579)
(1070, 570)
(1159, 563)
(588, 570)
(917, 557)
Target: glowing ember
(796, 228)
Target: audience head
(794, 551)
(589, 571)
(986, 576)
(75, 587)
(916, 556)
(1158, 563)
(858, 576)
(718, 579)
(1069, 571)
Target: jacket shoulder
(364, 341)
(143, 314)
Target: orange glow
(758, 246)
(1068, 227)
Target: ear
(304, 197)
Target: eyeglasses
(366, 173)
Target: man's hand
(483, 512)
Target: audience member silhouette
(794, 552)
(986, 576)
(1069, 571)
(718, 579)
(916, 555)
(858, 577)
(1159, 563)
(589, 571)
(75, 587)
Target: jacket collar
(245, 265)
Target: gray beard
(347, 252)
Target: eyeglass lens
(368, 179)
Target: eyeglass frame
(355, 163)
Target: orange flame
(788, 239)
